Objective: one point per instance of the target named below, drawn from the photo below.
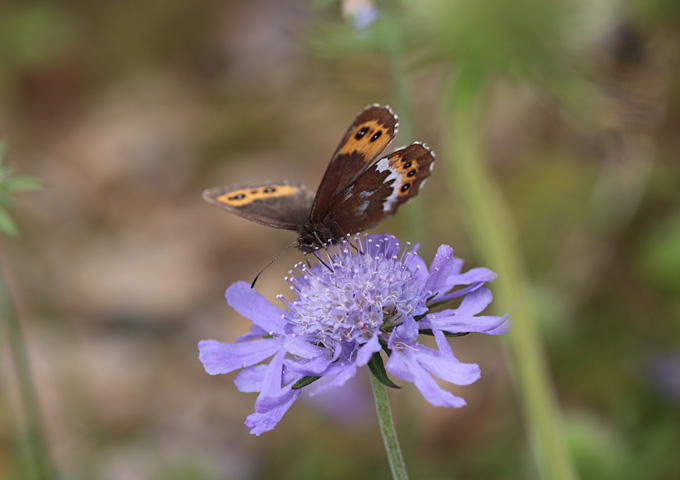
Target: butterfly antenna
(252, 285)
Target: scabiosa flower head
(360, 300)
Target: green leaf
(7, 225)
(446, 334)
(377, 368)
(304, 381)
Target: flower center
(354, 296)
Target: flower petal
(254, 333)
(458, 293)
(405, 333)
(487, 324)
(440, 270)
(417, 363)
(347, 370)
(475, 278)
(274, 395)
(444, 365)
(472, 304)
(479, 274)
(417, 266)
(250, 379)
(503, 326)
(403, 363)
(313, 367)
(367, 350)
(218, 357)
(457, 266)
(255, 307)
(300, 347)
(464, 319)
(258, 422)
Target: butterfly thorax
(314, 236)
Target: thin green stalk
(493, 231)
(388, 431)
(32, 442)
(392, 44)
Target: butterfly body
(356, 192)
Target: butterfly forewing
(279, 205)
(379, 192)
(356, 192)
(372, 130)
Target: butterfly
(357, 191)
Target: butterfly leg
(318, 257)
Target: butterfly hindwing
(372, 130)
(379, 192)
(279, 205)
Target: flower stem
(493, 231)
(32, 443)
(388, 431)
(392, 43)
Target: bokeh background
(127, 110)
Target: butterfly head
(312, 237)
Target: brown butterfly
(356, 192)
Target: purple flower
(360, 300)
(362, 12)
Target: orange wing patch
(368, 138)
(408, 169)
(244, 196)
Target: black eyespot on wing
(360, 134)
(376, 136)
(411, 173)
(405, 187)
(407, 165)
(282, 205)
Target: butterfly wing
(279, 205)
(372, 130)
(379, 192)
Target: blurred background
(127, 110)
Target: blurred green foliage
(10, 184)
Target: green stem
(32, 443)
(392, 42)
(493, 231)
(392, 45)
(388, 431)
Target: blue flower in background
(364, 298)
(362, 12)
